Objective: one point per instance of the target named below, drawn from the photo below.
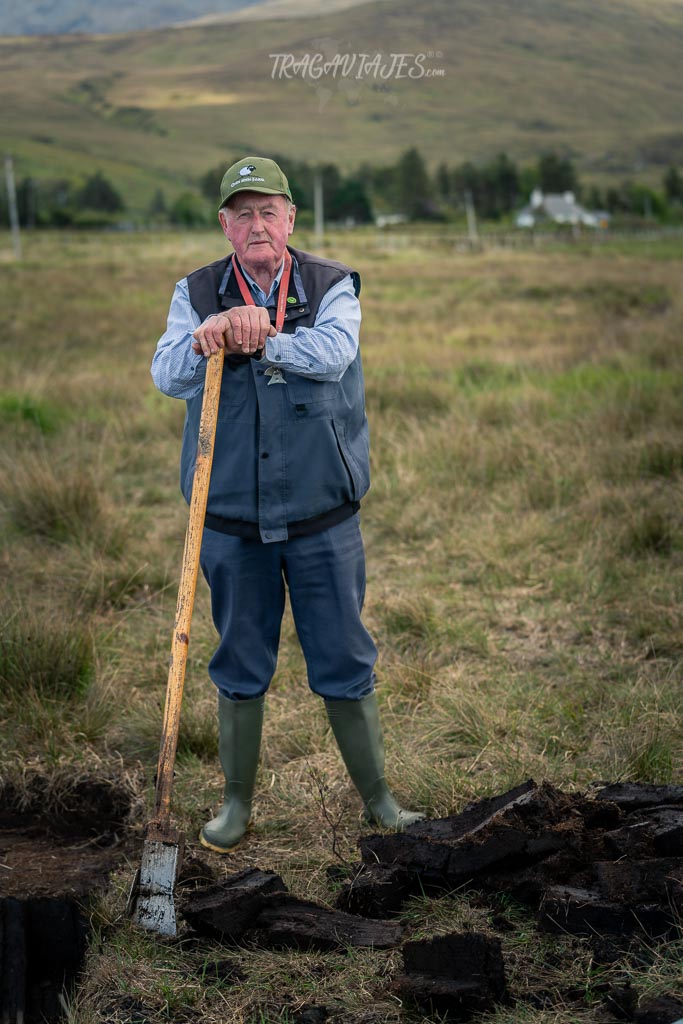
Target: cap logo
(247, 169)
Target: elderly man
(290, 467)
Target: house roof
(561, 208)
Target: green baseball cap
(254, 174)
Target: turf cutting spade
(151, 900)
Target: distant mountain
(51, 17)
(596, 80)
(63, 17)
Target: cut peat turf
(588, 865)
(604, 870)
(256, 906)
(57, 848)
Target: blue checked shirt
(322, 352)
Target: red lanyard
(281, 295)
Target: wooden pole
(318, 212)
(12, 204)
(472, 230)
(186, 591)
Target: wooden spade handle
(187, 587)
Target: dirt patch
(34, 862)
(61, 838)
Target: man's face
(258, 226)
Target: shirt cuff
(278, 349)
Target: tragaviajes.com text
(380, 66)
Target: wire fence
(523, 238)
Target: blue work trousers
(325, 575)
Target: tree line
(495, 188)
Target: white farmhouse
(558, 208)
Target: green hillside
(599, 81)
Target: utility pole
(318, 213)
(12, 204)
(647, 206)
(472, 230)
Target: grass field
(524, 536)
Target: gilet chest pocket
(304, 391)
(234, 388)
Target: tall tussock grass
(50, 654)
(59, 501)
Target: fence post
(12, 204)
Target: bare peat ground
(57, 851)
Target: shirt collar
(256, 288)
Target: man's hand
(241, 330)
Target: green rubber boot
(356, 728)
(239, 724)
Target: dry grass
(524, 537)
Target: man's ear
(223, 220)
(292, 216)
